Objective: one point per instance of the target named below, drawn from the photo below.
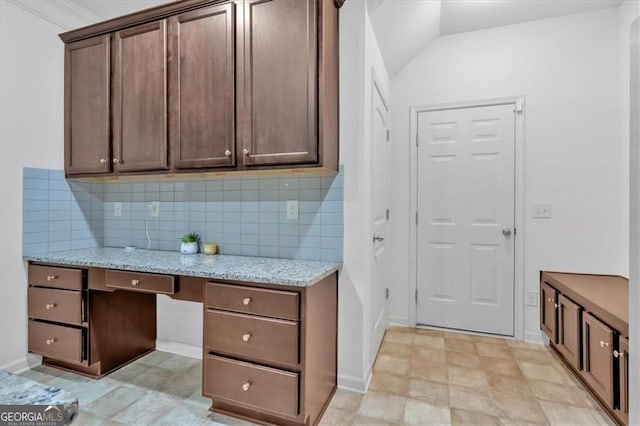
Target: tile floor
(421, 377)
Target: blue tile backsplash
(245, 215)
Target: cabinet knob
(246, 337)
(51, 341)
(246, 301)
(135, 282)
(50, 306)
(227, 153)
(246, 386)
(51, 277)
(245, 151)
(103, 161)
(604, 344)
(617, 354)
(556, 305)
(116, 161)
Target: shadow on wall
(245, 215)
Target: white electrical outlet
(155, 208)
(117, 209)
(532, 298)
(542, 210)
(292, 209)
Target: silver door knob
(245, 151)
(103, 161)
(506, 232)
(378, 238)
(227, 153)
(116, 161)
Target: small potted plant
(189, 243)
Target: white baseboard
(533, 337)
(177, 348)
(398, 321)
(23, 364)
(354, 384)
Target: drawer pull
(51, 341)
(604, 344)
(618, 354)
(50, 306)
(246, 386)
(135, 282)
(246, 337)
(51, 277)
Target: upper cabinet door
(202, 87)
(86, 115)
(140, 98)
(279, 82)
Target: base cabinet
(598, 360)
(569, 331)
(622, 356)
(549, 311)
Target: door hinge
(416, 295)
(519, 108)
(388, 133)
(515, 232)
(416, 139)
(387, 214)
(416, 218)
(386, 293)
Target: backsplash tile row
(244, 215)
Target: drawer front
(51, 276)
(265, 339)
(259, 387)
(597, 357)
(55, 305)
(136, 281)
(55, 341)
(251, 300)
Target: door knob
(377, 238)
(506, 232)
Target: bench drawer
(56, 341)
(137, 281)
(251, 300)
(56, 277)
(55, 305)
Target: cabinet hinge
(388, 134)
(386, 293)
(387, 214)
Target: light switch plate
(292, 209)
(542, 210)
(117, 209)
(532, 298)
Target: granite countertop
(291, 272)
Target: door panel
(87, 96)
(202, 87)
(279, 82)
(597, 355)
(140, 98)
(465, 201)
(570, 331)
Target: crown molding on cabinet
(65, 14)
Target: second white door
(465, 241)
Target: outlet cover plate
(117, 209)
(532, 298)
(292, 209)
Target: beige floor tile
(360, 420)
(391, 365)
(196, 398)
(428, 371)
(461, 359)
(94, 389)
(560, 414)
(336, 416)
(178, 364)
(458, 336)
(543, 372)
(144, 411)
(430, 342)
(433, 393)
(128, 372)
(154, 358)
(397, 350)
(491, 340)
(468, 377)
(493, 351)
(602, 418)
(472, 400)
(183, 415)
(382, 406)
(434, 356)
(394, 336)
(346, 400)
(427, 332)
(511, 422)
(154, 378)
(562, 394)
(466, 417)
(532, 356)
(516, 344)
(114, 401)
(398, 329)
(517, 386)
(501, 367)
(389, 383)
(456, 345)
(519, 408)
(420, 413)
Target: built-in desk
(270, 325)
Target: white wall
(568, 68)
(31, 123)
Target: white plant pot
(189, 248)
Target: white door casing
(380, 261)
(466, 204)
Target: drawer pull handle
(246, 337)
(618, 354)
(51, 341)
(50, 306)
(51, 277)
(246, 386)
(246, 301)
(604, 344)
(135, 282)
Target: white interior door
(465, 241)
(380, 269)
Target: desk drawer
(55, 305)
(56, 341)
(137, 281)
(263, 388)
(51, 276)
(260, 338)
(251, 300)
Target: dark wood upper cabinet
(202, 87)
(140, 98)
(279, 82)
(87, 97)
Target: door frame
(519, 200)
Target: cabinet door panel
(280, 82)
(548, 311)
(86, 91)
(569, 331)
(597, 361)
(140, 98)
(202, 88)
(623, 371)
